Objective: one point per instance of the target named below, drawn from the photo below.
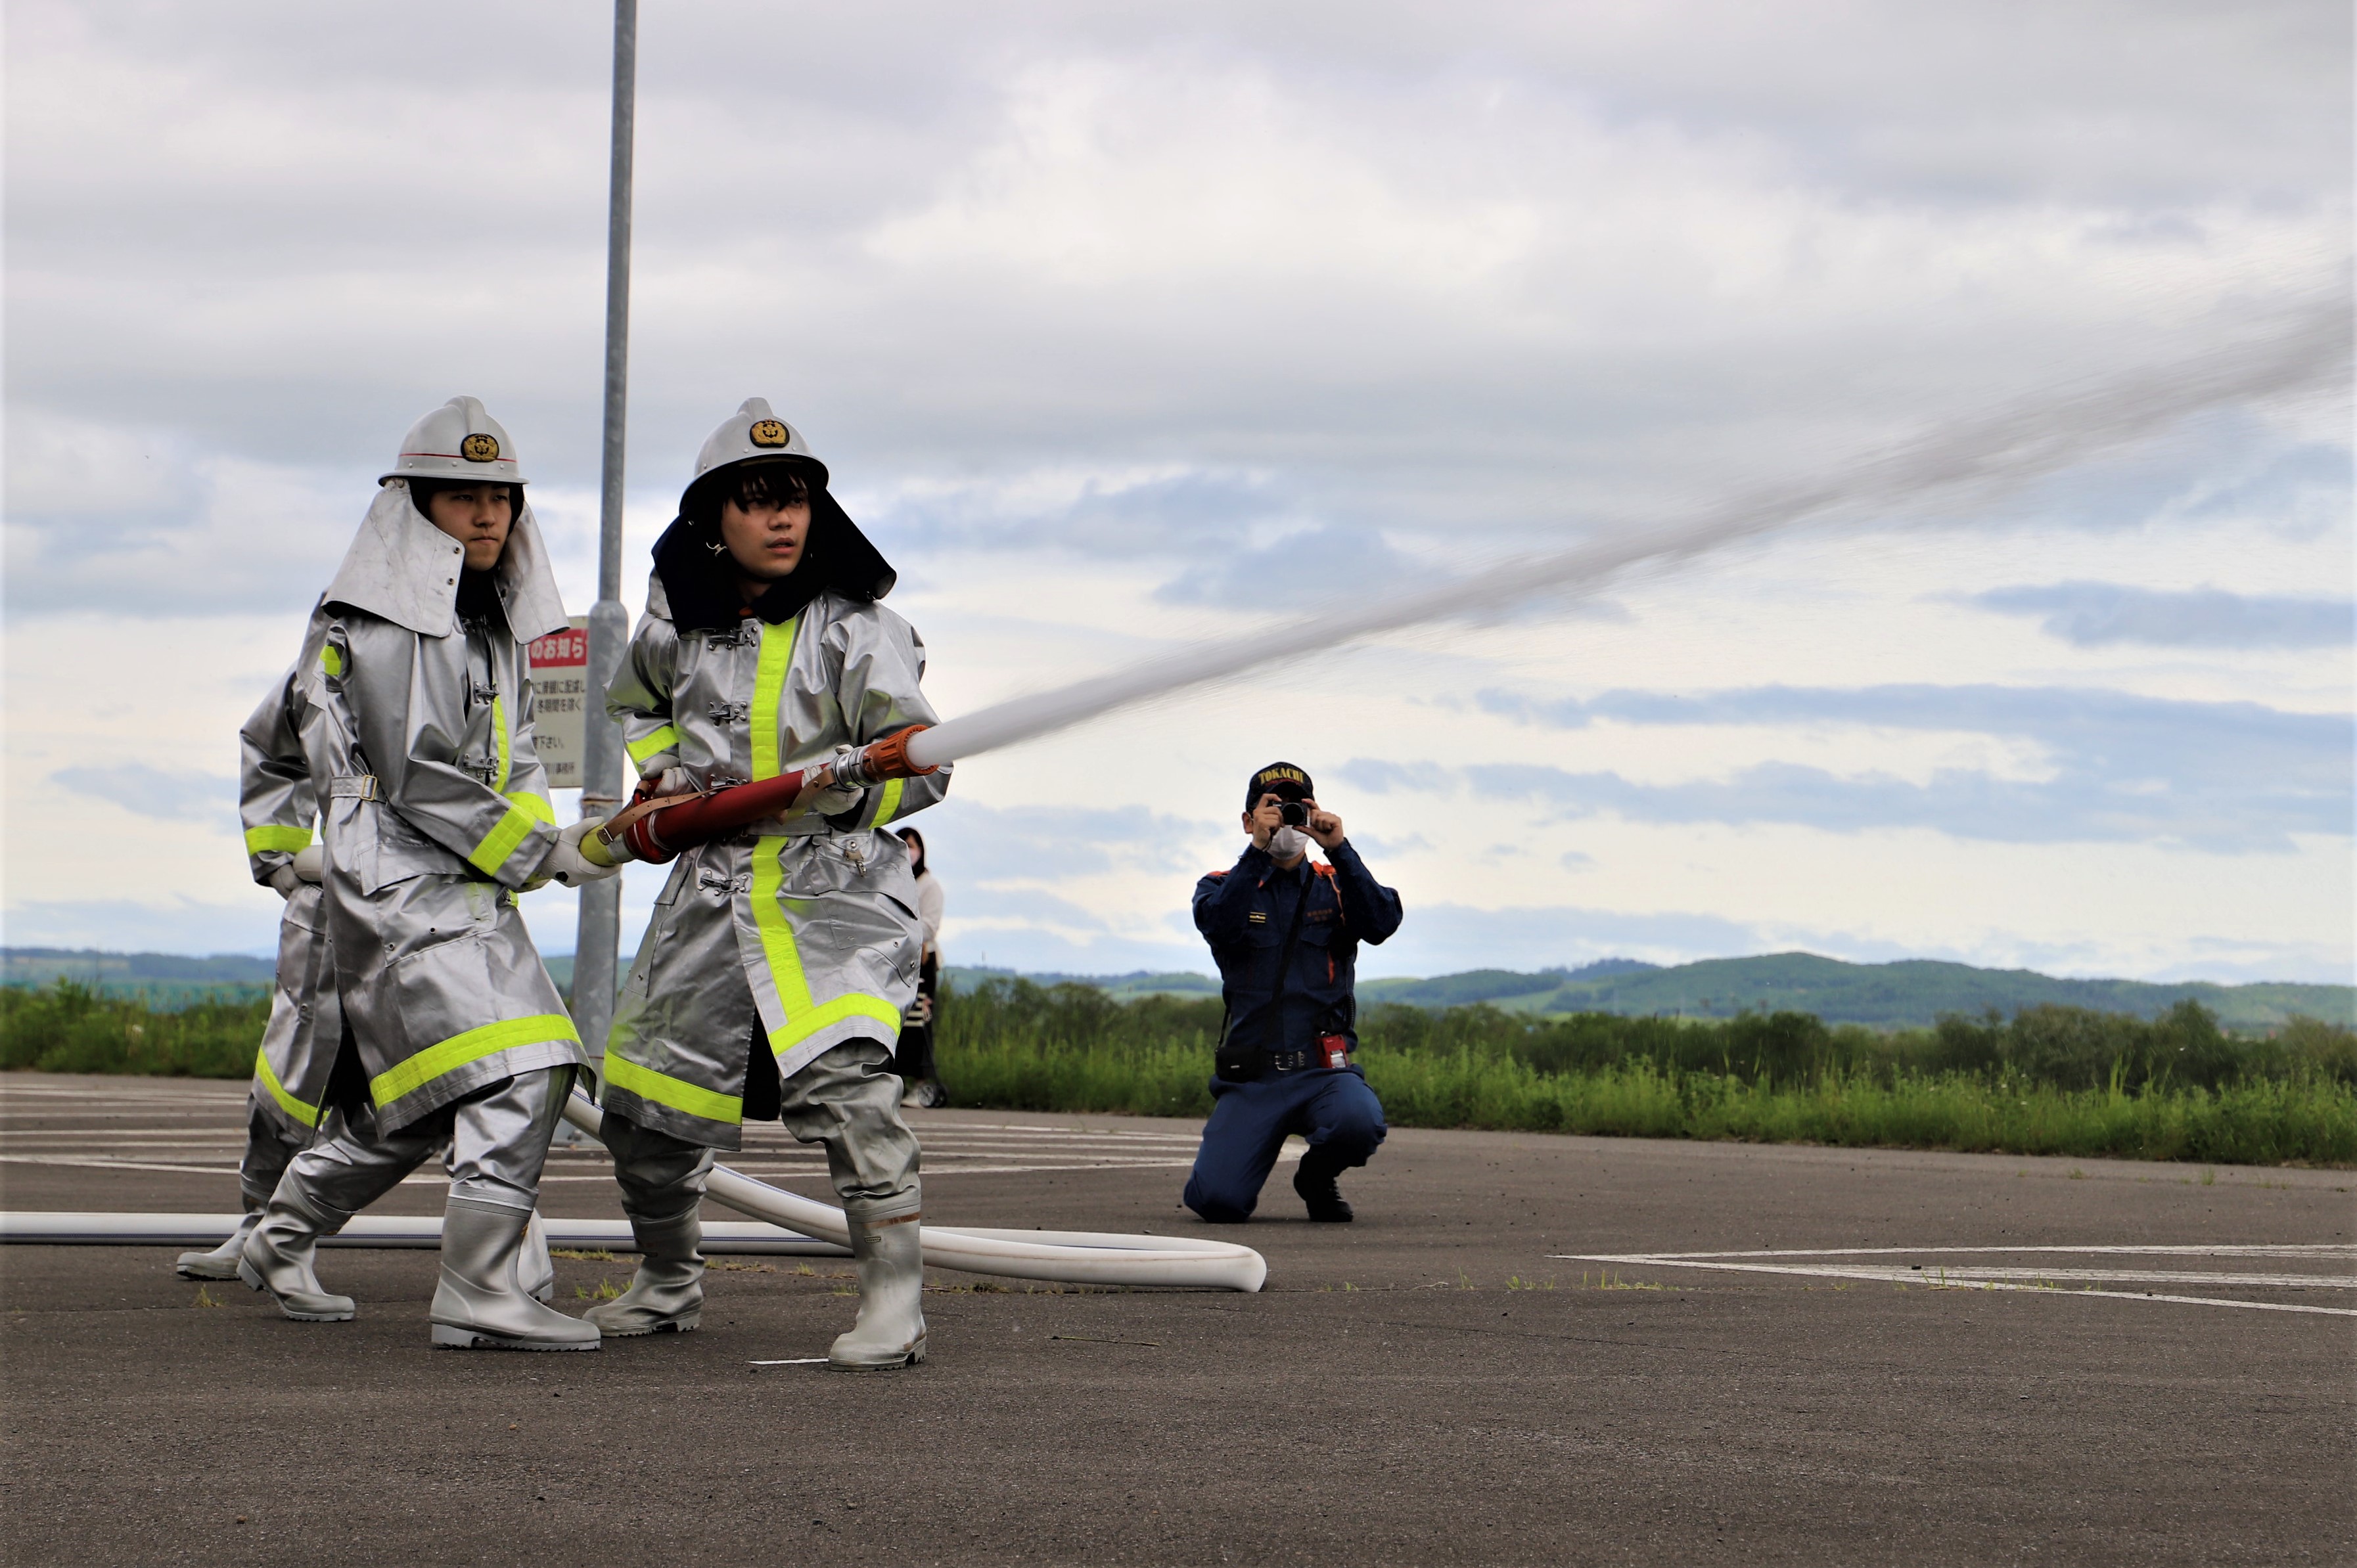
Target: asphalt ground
(1459, 1377)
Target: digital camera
(1293, 813)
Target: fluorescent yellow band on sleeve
(473, 1045)
(501, 840)
(537, 805)
(891, 804)
(268, 838)
(654, 745)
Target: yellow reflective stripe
(662, 740)
(891, 806)
(665, 1090)
(804, 1017)
(331, 662)
(307, 1114)
(499, 739)
(473, 1045)
(769, 690)
(265, 839)
(500, 841)
(537, 805)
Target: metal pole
(610, 628)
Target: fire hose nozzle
(882, 759)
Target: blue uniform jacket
(1243, 913)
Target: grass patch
(2052, 1080)
(2049, 1080)
(70, 1028)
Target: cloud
(2093, 615)
(165, 795)
(1319, 564)
(1102, 317)
(178, 925)
(2222, 776)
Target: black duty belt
(1322, 1055)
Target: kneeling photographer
(1286, 932)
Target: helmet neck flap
(699, 577)
(402, 568)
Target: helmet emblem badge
(480, 448)
(770, 433)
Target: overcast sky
(1122, 328)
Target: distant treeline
(2050, 1080)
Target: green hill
(162, 980)
(1912, 992)
(1918, 991)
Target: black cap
(1282, 780)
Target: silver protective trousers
(498, 1138)
(269, 1147)
(847, 1101)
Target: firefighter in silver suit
(413, 702)
(287, 1096)
(277, 806)
(774, 973)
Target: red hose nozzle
(655, 830)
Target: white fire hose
(1066, 1256)
(815, 1231)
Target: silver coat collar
(402, 568)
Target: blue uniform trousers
(1331, 1107)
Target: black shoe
(1314, 1180)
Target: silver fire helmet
(456, 442)
(750, 432)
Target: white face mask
(1287, 842)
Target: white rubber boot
(890, 1331)
(220, 1263)
(666, 1296)
(479, 1305)
(278, 1258)
(534, 1268)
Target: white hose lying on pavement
(814, 1229)
(1067, 1257)
(70, 1229)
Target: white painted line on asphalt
(114, 1165)
(2252, 1249)
(796, 1361)
(932, 1170)
(1961, 1280)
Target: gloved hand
(837, 799)
(662, 774)
(307, 867)
(578, 859)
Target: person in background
(1284, 931)
(913, 1058)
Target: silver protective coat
(277, 807)
(817, 915)
(417, 731)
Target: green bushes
(2057, 1081)
(68, 1027)
(2052, 1080)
